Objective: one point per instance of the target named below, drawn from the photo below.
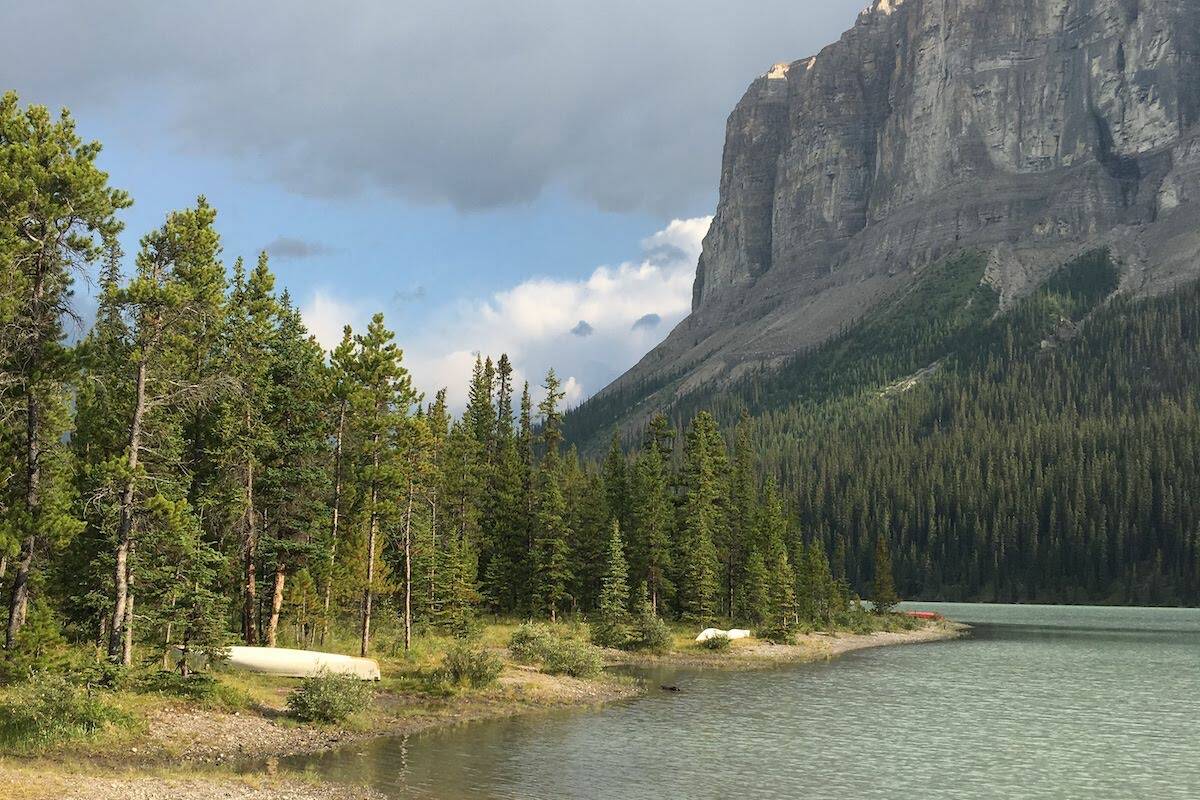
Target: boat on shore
(288, 663)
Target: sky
(528, 177)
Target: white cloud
(325, 315)
(535, 321)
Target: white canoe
(735, 633)
(300, 663)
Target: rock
(1030, 129)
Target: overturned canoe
(735, 633)
(300, 663)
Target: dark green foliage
(533, 643)
(574, 658)
(650, 632)
(467, 665)
(718, 643)
(1040, 453)
(611, 628)
(328, 698)
(530, 642)
(883, 586)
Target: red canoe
(924, 614)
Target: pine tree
(697, 582)
(611, 628)
(383, 403)
(295, 478)
(247, 337)
(552, 553)
(779, 616)
(58, 210)
(651, 515)
(342, 385)
(175, 289)
(883, 588)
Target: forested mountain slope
(1044, 452)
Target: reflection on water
(1040, 702)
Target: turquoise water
(1040, 702)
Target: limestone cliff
(1031, 129)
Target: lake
(1041, 701)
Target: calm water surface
(1042, 701)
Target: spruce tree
(779, 617)
(651, 514)
(611, 628)
(883, 588)
(698, 576)
(295, 477)
(176, 289)
(381, 406)
(552, 545)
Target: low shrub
(610, 632)
(569, 657)
(48, 709)
(464, 665)
(530, 642)
(780, 633)
(328, 698)
(718, 642)
(651, 633)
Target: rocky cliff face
(1031, 129)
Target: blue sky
(488, 175)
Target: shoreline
(188, 753)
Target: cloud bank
(540, 322)
(468, 102)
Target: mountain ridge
(1032, 131)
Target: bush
(784, 633)
(50, 710)
(530, 643)
(607, 632)
(464, 665)
(651, 633)
(577, 659)
(328, 698)
(717, 642)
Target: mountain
(1016, 135)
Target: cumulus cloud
(471, 102)
(325, 315)
(288, 248)
(535, 322)
(583, 329)
(646, 322)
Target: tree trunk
(373, 529)
(3, 567)
(183, 655)
(116, 630)
(20, 592)
(249, 552)
(19, 603)
(127, 642)
(408, 571)
(276, 604)
(433, 548)
(337, 503)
